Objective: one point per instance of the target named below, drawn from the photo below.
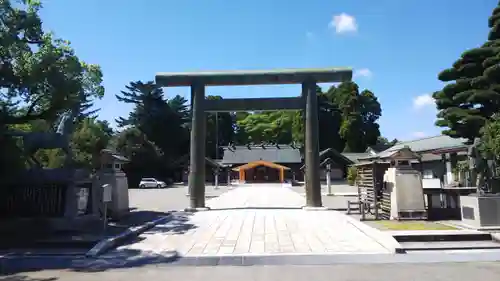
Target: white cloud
(419, 134)
(363, 72)
(423, 101)
(344, 23)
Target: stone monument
(481, 210)
(477, 166)
(404, 184)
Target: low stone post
(216, 184)
(328, 180)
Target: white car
(152, 182)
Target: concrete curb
(470, 227)
(18, 265)
(457, 226)
(495, 236)
(342, 194)
(384, 239)
(132, 232)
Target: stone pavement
(259, 219)
(167, 199)
(349, 272)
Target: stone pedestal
(111, 173)
(119, 205)
(406, 193)
(481, 211)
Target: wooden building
(263, 163)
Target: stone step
(449, 245)
(441, 236)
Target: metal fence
(21, 200)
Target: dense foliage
(472, 94)
(469, 103)
(41, 76)
(352, 175)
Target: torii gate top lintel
(254, 77)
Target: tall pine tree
(472, 95)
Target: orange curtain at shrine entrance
(241, 169)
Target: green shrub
(352, 175)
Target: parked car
(152, 182)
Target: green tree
(330, 120)
(268, 127)
(490, 141)
(220, 131)
(145, 157)
(240, 136)
(154, 117)
(384, 141)
(360, 113)
(472, 94)
(89, 138)
(158, 135)
(178, 104)
(40, 75)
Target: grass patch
(412, 225)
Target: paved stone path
(167, 199)
(257, 220)
(344, 272)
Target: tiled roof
(332, 155)
(115, 155)
(426, 144)
(212, 162)
(380, 147)
(354, 156)
(269, 153)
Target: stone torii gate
(308, 102)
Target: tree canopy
(472, 94)
(41, 76)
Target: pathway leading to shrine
(261, 219)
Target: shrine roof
(269, 153)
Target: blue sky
(397, 47)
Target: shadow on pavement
(137, 218)
(179, 224)
(123, 257)
(126, 258)
(27, 278)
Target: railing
(20, 201)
